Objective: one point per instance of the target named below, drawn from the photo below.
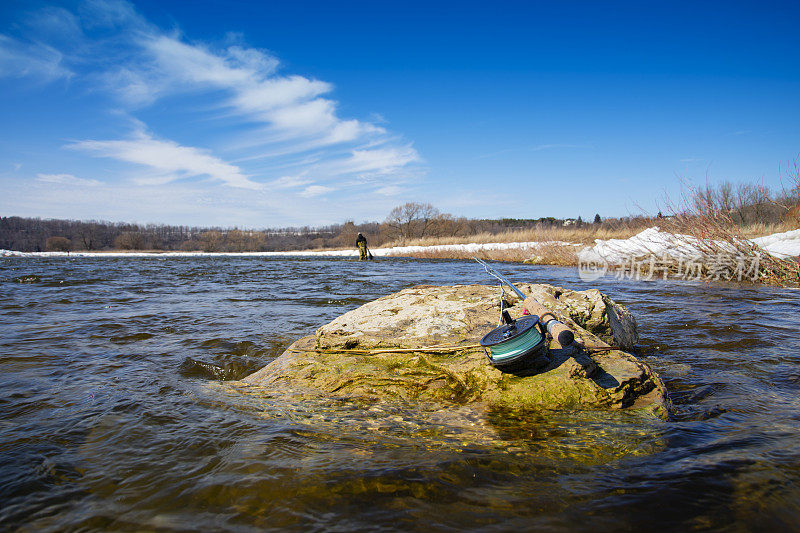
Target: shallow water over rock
(120, 409)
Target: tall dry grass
(760, 229)
(585, 234)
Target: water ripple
(120, 409)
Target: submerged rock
(381, 350)
(29, 278)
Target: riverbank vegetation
(716, 221)
(409, 224)
(722, 217)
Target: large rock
(376, 351)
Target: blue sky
(266, 114)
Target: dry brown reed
(723, 247)
(555, 254)
(545, 254)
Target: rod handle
(559, 331)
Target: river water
(119, 413)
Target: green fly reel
(515, 344)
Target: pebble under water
(119, 409)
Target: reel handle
(559, 331)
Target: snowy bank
(332, 253)
(650, 242)
(396, 251)
(653, 242)
(781, 245)
(653, 254)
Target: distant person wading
(363, 251)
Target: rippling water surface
(118, 413)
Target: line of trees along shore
(739, 205)
(406, 222)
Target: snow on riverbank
(652, 242)
(785, 244)
(397, 251)
(648, 242)
(333, 253)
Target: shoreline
(395, 251)
(651, 254)
(649, 241)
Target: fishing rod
(559, 331)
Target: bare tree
(129, 240)
(348, 234)
(412, 219)
(446, 225)
(88, 233)
(58, 244)
(211, 241)
(789, 199)
(725, 199)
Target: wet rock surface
(382, 349)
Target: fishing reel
(516, 344)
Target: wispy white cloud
(19, 59)
(378, 161)
(291, 105)
(377, 118)
(170, 159)
(534, 148)
(249, 124)
(111, 14)
(389, 190)
(540, 147)
(315, 190)
(66, 179)
(173, 203)
(186, 65)
(268, 95)
(290, 182)
(58, 25)
(292, 111)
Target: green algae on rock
(376, 351)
